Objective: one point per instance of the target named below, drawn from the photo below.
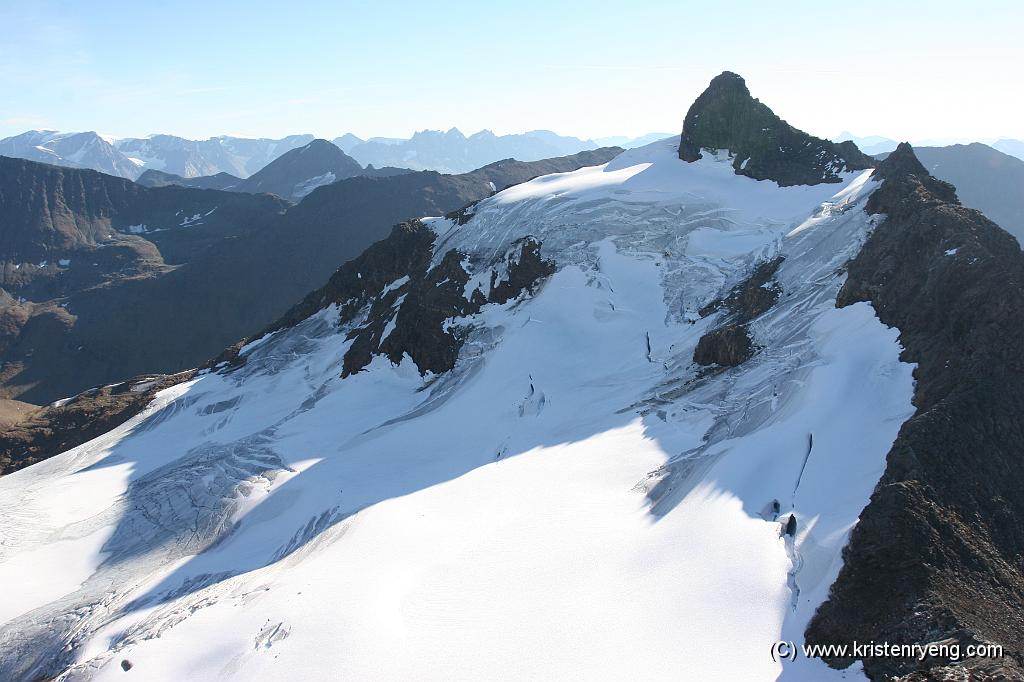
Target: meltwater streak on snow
(571, 502)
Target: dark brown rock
(726, 346)
(753, 296)
(730, 344)
(420, 306)
(430, 298)
(525, 269)
(56, 428)
(938, 552)
(764, 147)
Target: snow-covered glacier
(575, 500)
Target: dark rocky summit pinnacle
(903, 163)
(763, 146)
(938, 553)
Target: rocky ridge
(937, 554)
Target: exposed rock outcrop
(59, 427)
(752, 296)
(985, 179)
(938, 553)
(407, 303)
(401, 305)
(726, 346)
(763, 146)
(730, 344)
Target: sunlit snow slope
(576, 500)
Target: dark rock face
(525, 268)
(726, 346)
(751, 297)
(982, 671)
(429, 299)
(46, 211)
(155, 178)
(406, 302)
(54, 429)
(730, 344)
(765, 147)
(939, 550)
(69, 236)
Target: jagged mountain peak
(902, 161)
(903, 168)
(728, 80)
(763, 146)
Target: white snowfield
(305, 187)
(575, 501)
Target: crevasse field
(575, 501)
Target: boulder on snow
(726, 346)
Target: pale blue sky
(903, 69)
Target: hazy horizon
(365, 138)
(943, 141)
(198, 70)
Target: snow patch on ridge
(303, 188)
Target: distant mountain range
(990, 177)
(1011, 147)
(130, 157)
(453, 152)
(293, 175)
(632, 142)
(875, 144)
(191, 158)
(74, 150)
(445, 152)
(871, 144)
